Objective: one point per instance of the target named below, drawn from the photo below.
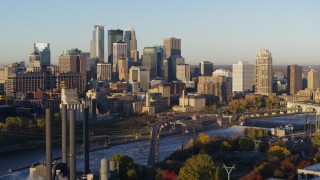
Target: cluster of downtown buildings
(125, 82)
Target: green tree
(315, 139)
(225, 146)
(132, 174)
(125, 163)
(278, 152)
(199, 166)
(204, 139)
(246, 144)
(159, 174)
(41, 123)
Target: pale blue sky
(223, 32)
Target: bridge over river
(306, 107)
(184, 121)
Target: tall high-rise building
(114, 35)
(263, 72)
(161, 55)
(313, 79)
(44, 50)
(294, 79)
(206, 68)
(97, 44)
(123, 69)
(242, 76)
(73, 61)
(140, 74)
(150, 60)
(172, 66)
(104, 71)
(172, 46)
(165, 70)
(129, 38)
(34, 62)
(183, 72)
(119, 51)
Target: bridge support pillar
(317, 123)
(151, 133)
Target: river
(138, 150)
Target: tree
(41, 123)
(315, 139)
(278, 152)
(192, 143)
(125, 163)
(225, 146)
(132, 174)
(288, 169)
(199, 166)
(204, 139)
(169, 175)
(304, 164)
(159, 174)
(253, 175)
(246, 144)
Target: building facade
(183, 72)
(119, 51)
(313, 79)
(114, 35)
(242, 76)
(294, 79)
(73, 61)
(97, 44)
(104, 72)
(150, 60)
(141, 75)
(130, 39)
(172, 46)
(206, 68)
(123, 69)
(263, 72)
(44, 50)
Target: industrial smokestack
(104, 169)
(147, 100)
(86, 140)
(48, 145)
(183, 101)
(72, 146)
(64, 138)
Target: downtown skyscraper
(130, 39)
(294, 79)
(172, 46)
(44, 50)
(206, 68)
(114, 35)
(97, 44)
(263, 72)
(242, 76)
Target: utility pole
(228, 169)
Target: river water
(138, 150)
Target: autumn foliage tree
(199, 166)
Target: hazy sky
(223, 32)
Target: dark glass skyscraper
(149, 60)
(206, 68)
(113, 37)
(44, 50)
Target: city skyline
(220, 32)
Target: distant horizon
(216, 31)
